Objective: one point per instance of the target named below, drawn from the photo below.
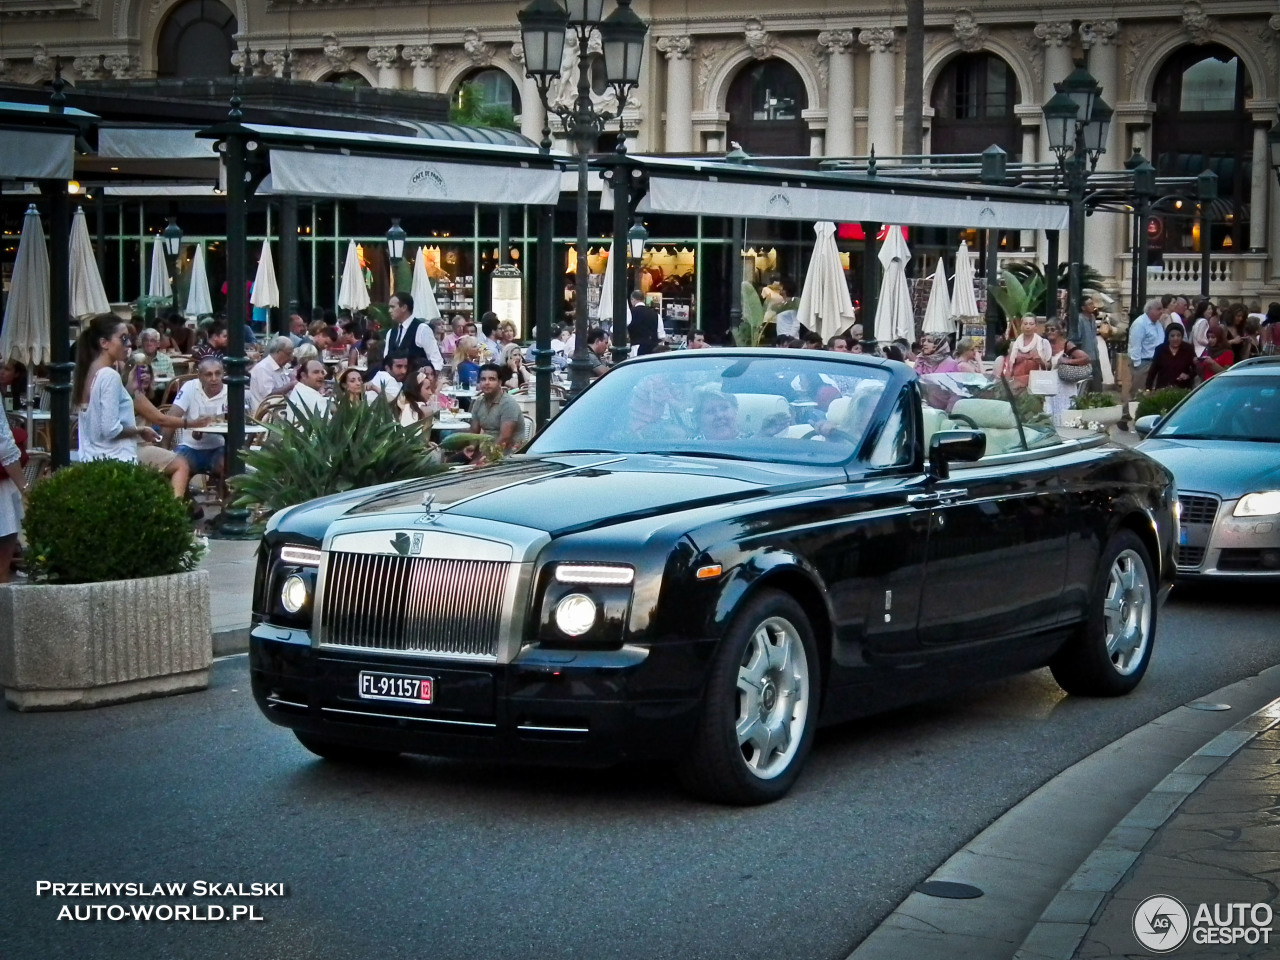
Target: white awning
(153, 143)
(809, 202)
(36, 155)
(389, 178)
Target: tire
(1109, 654)
(759, 708)
(343, 752)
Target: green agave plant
(750, 331)
(1019, 297)
(358, 445)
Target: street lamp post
(171, 237)
(1078, 119)
(1144, 191)
(1206, 193)
(395, 241)
(543, 26)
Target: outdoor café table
(250, 429)
(446, 424)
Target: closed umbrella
(895, 318)
(199, 303)
(963, 302)
(25, 335)
(937, 315)
(159, 286)
(266, 292)
(825, 304)
(424, 298)
(352, 293)
(604, 310)
(88, 296)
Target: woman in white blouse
(106, 427)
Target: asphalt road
(433, 859)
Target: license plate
(1182, 536)
(395, 686)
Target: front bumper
(1216, 545)
(587, 708)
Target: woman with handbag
(1072, 365)
(1027, 352)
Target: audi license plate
(395, 686)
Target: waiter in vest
(411, 335)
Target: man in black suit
(643, 328)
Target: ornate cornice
(878, 39)
(49, 9)
(1054, 33)
(1100, 32)
(677, 48)
(835, 42)
(419, 55)
(384, 58)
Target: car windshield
(790, 408)
(1228, 408)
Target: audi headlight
(294, 593)
(1265, 504)
(576, 614)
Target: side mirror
(1144, 425)
(955, 446)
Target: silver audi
(1222, 444)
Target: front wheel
(760, 707)
(1109, 654)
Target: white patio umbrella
(424, 298)
(604, 310)
(159, 285)
(825, 304)
(963, 302)
(88, 296)
(352, 293)
(937, 315)
(199, 303)
(266, 292)
(895, 317)
(25, 335)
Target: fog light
(293, 595)
(1271, 559)
(575, 614)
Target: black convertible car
(701, 559)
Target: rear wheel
(760, 708)
(1109, 654)
(343, 752)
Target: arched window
(973, 101)
(764, 104)
(1200, 122)
(350, 79)
(196, 40)
(497, 89)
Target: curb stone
(1075, 909)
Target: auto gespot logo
(1162, 924)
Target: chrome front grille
(417, 605)
(1198, 509)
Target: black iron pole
(235, 522)
(870, 280)
(619, 260)
(63, 366)
(1135, 227)
(544, 308)
(735, 274)
(1144, 255)
(288, 262)
(100, 228)
(991, 265)
(1053, 239)
(1206, 250)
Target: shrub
(107, 520)
(1095, 401)
(1160, 401)
(357, 445)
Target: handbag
(1071, 373)
(1043, 383)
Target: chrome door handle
(935, 497)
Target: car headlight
(1265, 504)
(294, 593)
(576, 614)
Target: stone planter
(1103, 415)
(69, 646)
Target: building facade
(1194, 84)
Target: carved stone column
(532, 116)
(1056, 37)
(422, 57)
(1104, 231)
(838, 45)
(680, 53)
(387, 60)
(1262, 174)
(883, 107)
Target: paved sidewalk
(231, 566)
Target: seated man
(203, 397)
(389, 381)
(598, 352)
(495, 412)
(308, 396)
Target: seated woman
(349, 385)
(139, 384)
(935, 355)
(715, 416)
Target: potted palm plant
(115, 608)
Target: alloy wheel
(773, 697)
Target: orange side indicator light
(706, 573)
